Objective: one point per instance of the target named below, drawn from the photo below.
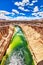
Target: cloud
(5, 15)
(36, 9)
(21, 3)
(34, 1)
(31, 4)
(12, 13)
(4, 12)
(25, 1)
(38, 14)
(17, 3)
(19, 18)
(22, 8)
(22, 14)
(34, 14)
(15, 11)
(24, 18)
(2, 16)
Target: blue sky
(21, 9)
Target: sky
(21, 9)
